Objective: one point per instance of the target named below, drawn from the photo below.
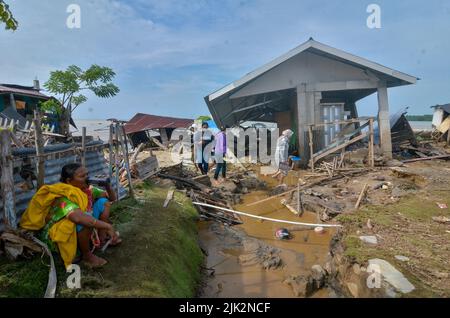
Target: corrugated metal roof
(445, 107)
(142, 122)
(21, 90)
(308, 45)
(95, 163)
(220, 102)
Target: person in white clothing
(282, 154)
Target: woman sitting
(72, 212)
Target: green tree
(204, 118)
(67, 86)
(7, 17)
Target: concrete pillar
(383, 121)
(305, 112)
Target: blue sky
(169, 54)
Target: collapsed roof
(143, 122)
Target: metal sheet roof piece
(142, 122)
(445, 107)
(22, 90)
(308, 45)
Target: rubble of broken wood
(15, 244)
(227, 194)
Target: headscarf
(288, 133)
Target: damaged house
(18, 102)
(143, 128)
(311, 84)
(441, 121)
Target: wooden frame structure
(343, 142)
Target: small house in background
(142, 128)
(441, 119)
(19, 102)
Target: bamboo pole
(39, 142)
(7, 179)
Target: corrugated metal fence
(56, 157)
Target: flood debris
(18, 244)
(282, 234)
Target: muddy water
(234, 277)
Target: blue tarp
(212, 124)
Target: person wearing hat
(282, 154)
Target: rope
(264, 218)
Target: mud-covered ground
(402, 221)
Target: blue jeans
(97, 210)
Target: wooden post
(448, 137)
(123, 143)
(116, 159)
(299, 201)
(311, 147)
(7, 179)
(111, 152)
(371, 144)
(83, 146)
(39, 143)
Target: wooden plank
(445, 126)
(7, 180)
(339, 147)
(39, 143)
(428, 158)
(156, 141)
(168, 198)
(147, 167)
(341, 122)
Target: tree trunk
(65, 121)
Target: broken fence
(19, 172)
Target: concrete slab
(392, 276)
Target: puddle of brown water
(233, 279)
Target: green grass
(159, 256)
